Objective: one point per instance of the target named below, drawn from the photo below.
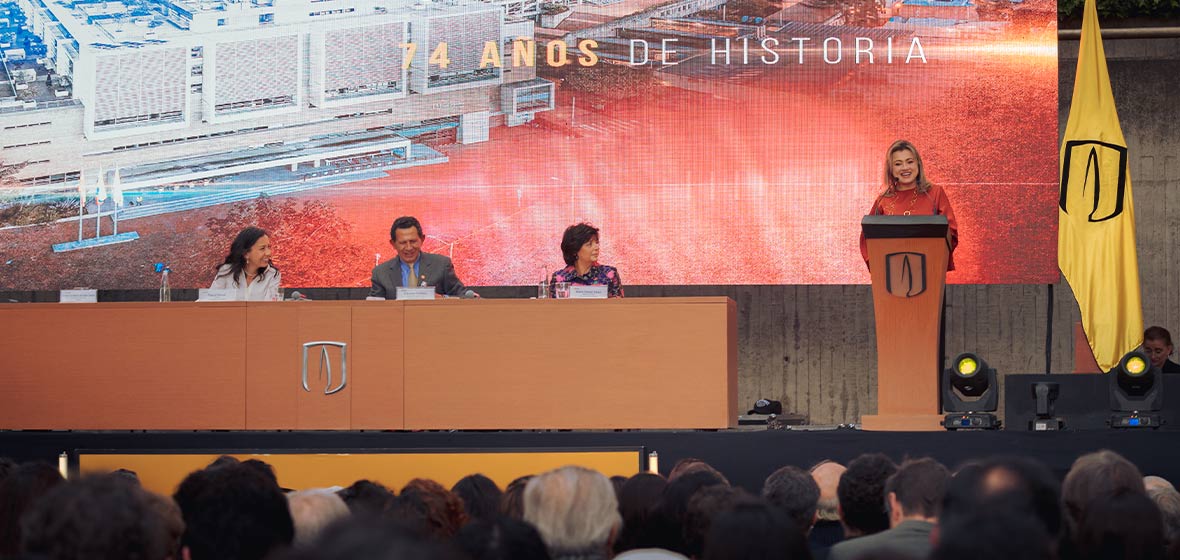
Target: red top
(911, 202)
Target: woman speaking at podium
(909, 193)
(247, 268)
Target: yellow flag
(1096, 215)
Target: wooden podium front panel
(272, 366)
(908, 329)
(377, 396)
(325, 322)
(570, 364)
(125, 366)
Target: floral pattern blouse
(599, 274)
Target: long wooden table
(656, 363)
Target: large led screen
(712, 142)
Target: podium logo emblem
(905, 274)
(1093, 179)
(325, 366)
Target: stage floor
(745, 456)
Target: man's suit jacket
(437, 269)
(910, 539)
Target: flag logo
(1094, 179)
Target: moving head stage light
(971, 394)
(1136, 392)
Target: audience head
(366, 497)
(703, 509)
(1157, 343)
(691, 465)
(6, 466)
(95, 518)
(374, 538)
(793, 490)
(430, 508)
(501, 538)
(574, 509)
(827, 477)
(233, 511)
(1126, 525)
(1094, 475)
(639, 500)
(512, 501)
(1152, 482)
(312, 511)
(861, 493)
(24, 485)
(169, 514)
(1028, 484)
(916, 490)
(1168, 502)
(755, 530)
(993, 531)
(480, 496)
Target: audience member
(861, 495)
(674, 506)
(501, 538)
(512, 501)
(373, 538)
(1152, 482)
(575, 510)
(480, 496)
(1095, 475)
(795, 492)
(23, 486)
(6, 466)
(993, 531)
(703, 508)
(366, 497)
(233, 511)
(914, 497)
(96, 518)
(312, 511)
(1028, 484)
(691, 465)
(639, 501)
(1125, 525)
(427, 506)
(1168, 502)
(618, 481)
(827, 529)
(755, 530)
(169, 514)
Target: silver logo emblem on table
(326, 364)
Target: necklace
(909, 210)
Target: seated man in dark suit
(914, 496)
(412, 267)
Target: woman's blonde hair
(891, 181)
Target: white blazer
(266, 287)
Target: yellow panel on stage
(162, 472)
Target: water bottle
(165, 289)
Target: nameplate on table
(78, 296)
(418, 293)
(217, 294)
(578, 291)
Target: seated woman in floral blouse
(579, 247)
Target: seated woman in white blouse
(247, 268)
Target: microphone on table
(296, 296)
(469, 294)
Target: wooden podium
(908, 259)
